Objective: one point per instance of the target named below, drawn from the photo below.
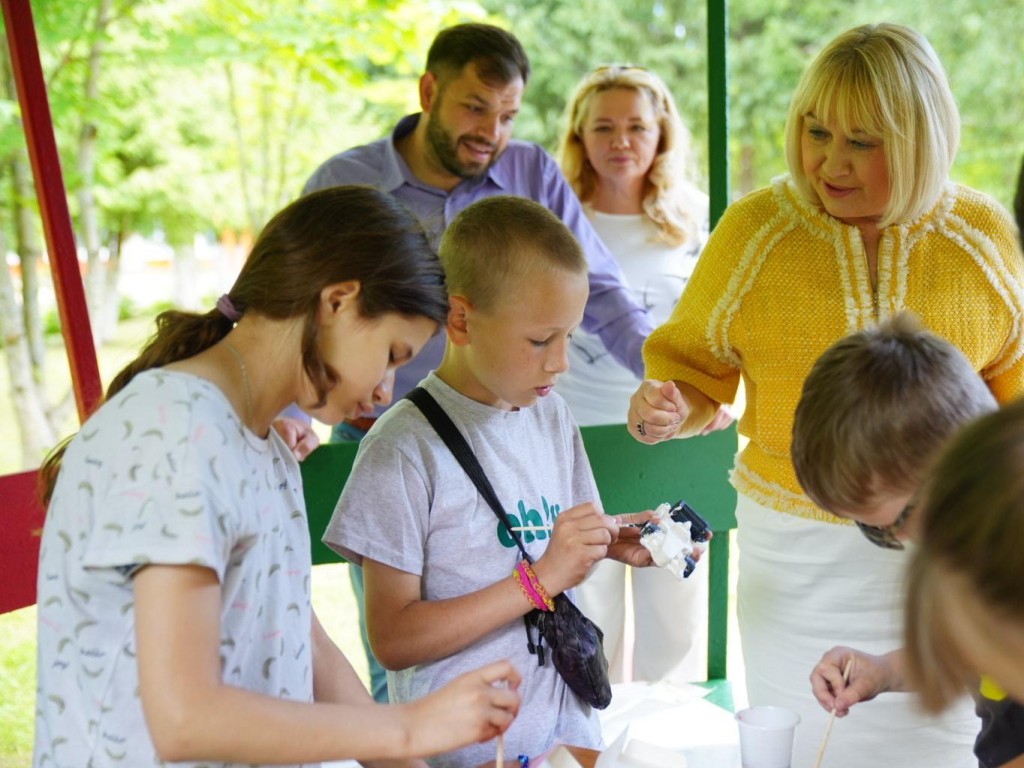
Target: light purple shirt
(523, 169)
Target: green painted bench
(632, 476)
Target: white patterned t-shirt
(164, 473)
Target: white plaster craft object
(673, 537)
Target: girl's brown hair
(330, 236)
(967, 566)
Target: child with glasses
(876, 410)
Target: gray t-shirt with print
(410, 505)
(164, 473)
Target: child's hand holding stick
(832, 717)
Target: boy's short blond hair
(887, 80)
(497, 240)
(876, 409)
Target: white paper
(674, 718)
(559, 757)
(627, 752)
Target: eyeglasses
(887, 536)
(619, 68)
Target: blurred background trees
(187, 123)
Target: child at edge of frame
(884, 404)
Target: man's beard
(446, 150)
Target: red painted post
(22, 515)
(53, 205)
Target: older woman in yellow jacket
(865, 224)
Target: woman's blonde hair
(967, 565)
(671, 201)
(885, 80)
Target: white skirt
(805, 586)
(669, 621)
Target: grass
(18, 683)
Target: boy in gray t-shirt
(441, 596)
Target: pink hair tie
(227, 308)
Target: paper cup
(766, 736)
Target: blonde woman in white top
(626, 152)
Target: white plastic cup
(766, 736)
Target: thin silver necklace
(245, 381)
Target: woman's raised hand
(656, 411)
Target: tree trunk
(27, 234)
(35, 434)
(186, 289)
(243, 161)
(88, 216)
(111, 312)
(25, 228)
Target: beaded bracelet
(531, 586)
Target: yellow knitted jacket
(780, 281)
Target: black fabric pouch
(576, 645)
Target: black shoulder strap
(446, 428)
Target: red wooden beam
(19, 506)
(19, 541)
(53, 205)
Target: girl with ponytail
(175, 622)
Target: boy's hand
(298, 435)
(579, 539)
(656, 410)
(869, 676)
(627, 547)
(472, 708)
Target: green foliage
(127, 309)
(770, 43)
(179, 151)
(51, 323)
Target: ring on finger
(641, 429)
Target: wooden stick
(831, 718)
(549, 527)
